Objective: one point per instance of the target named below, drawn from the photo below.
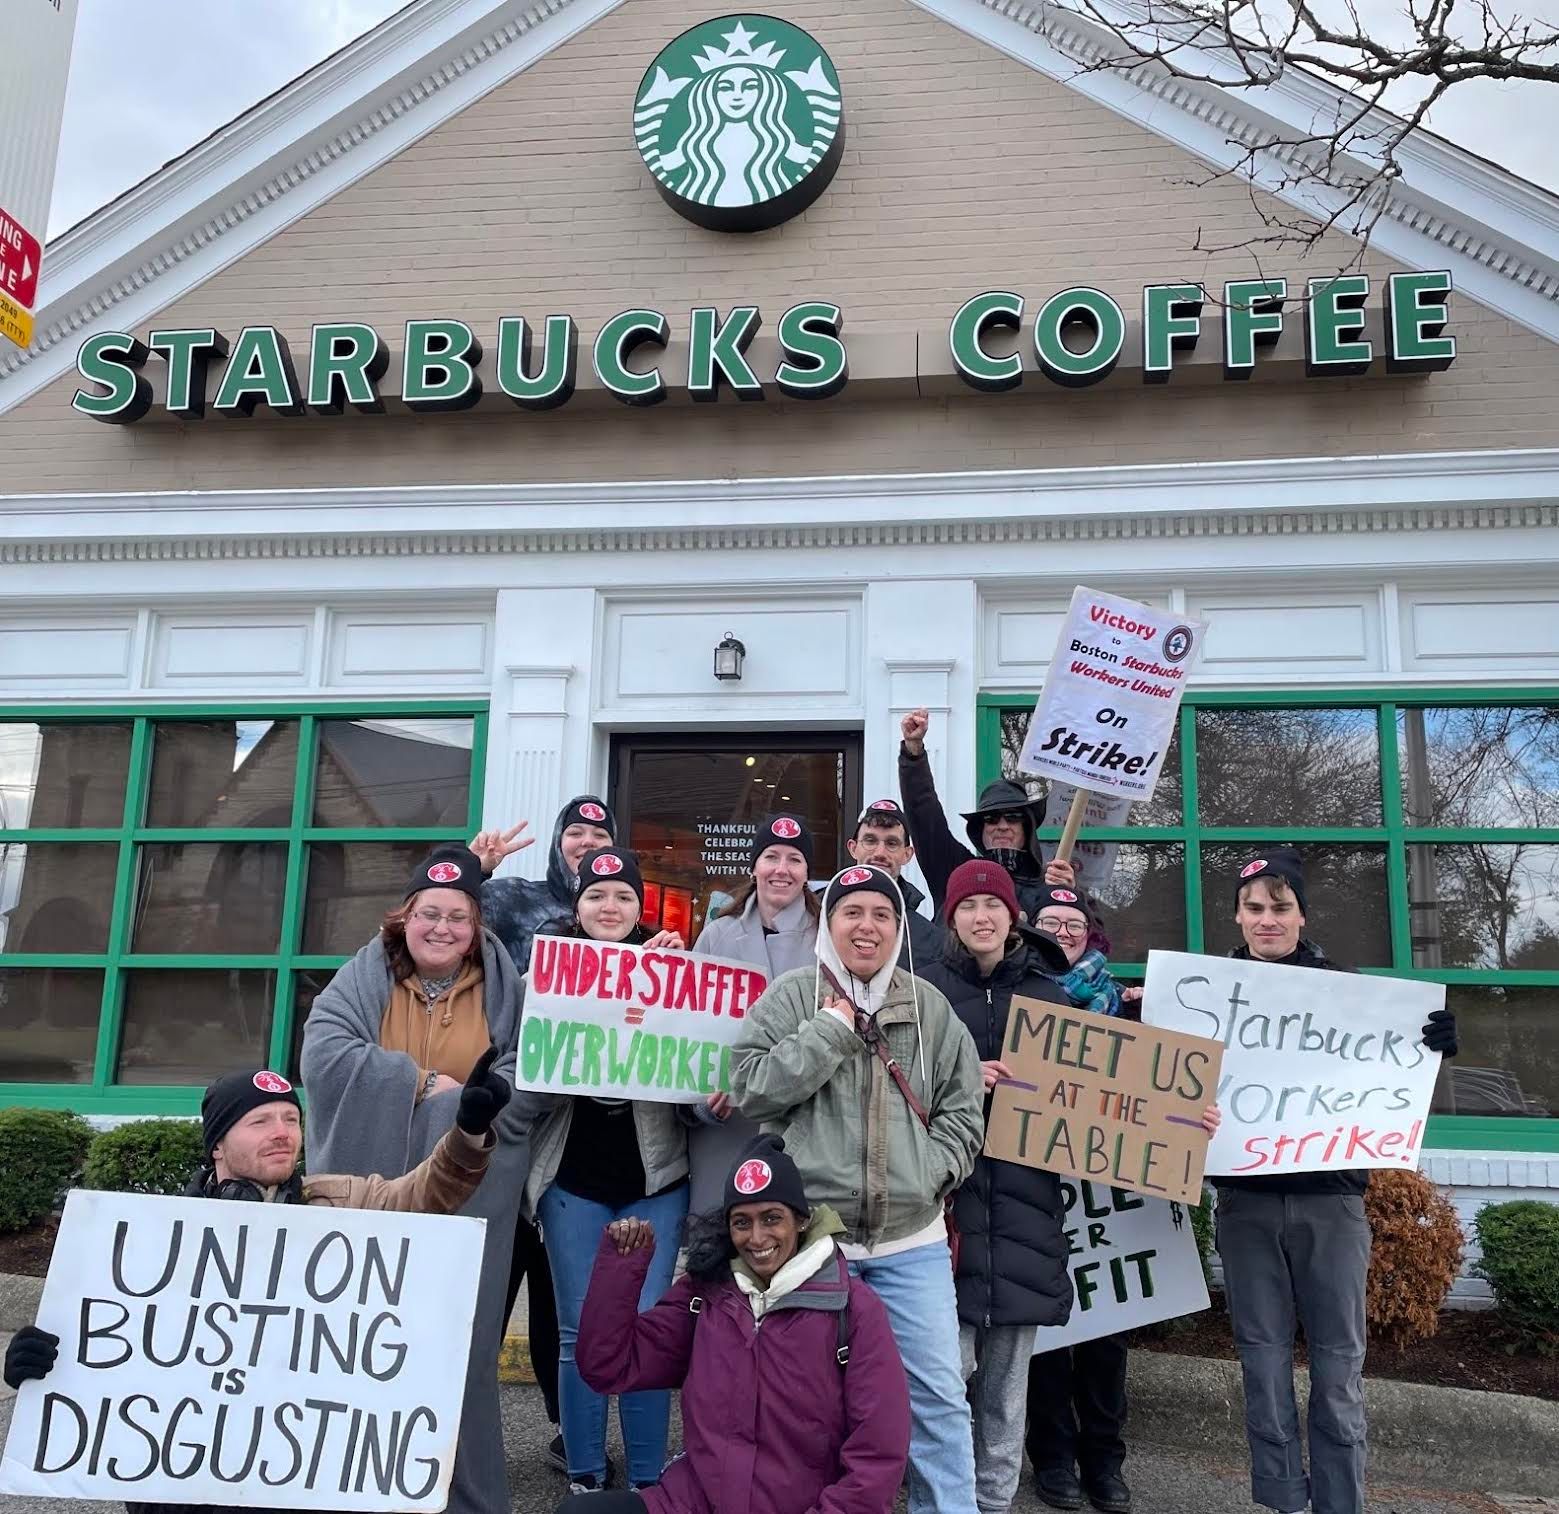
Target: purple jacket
(771, 1424)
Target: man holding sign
(1292, 1231)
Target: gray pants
(996, 1368)
(1301, 1258)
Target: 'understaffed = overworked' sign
(1107, 711)
(1320, 1069)
(630, 1022)
(275, 1355)
(1098, 1097)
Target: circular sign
(1251, 868)
(854, 876)
(785, 827)
(753, 1176)
(607, 864)
(741, 122)
(1063, 896)
(443, 872)
(1178, 643)
(885, 804)
(271, 1082)
(589, 811)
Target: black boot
(1058, 1487)
(1108, 1493)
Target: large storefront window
(175, 886)
(1429, 823)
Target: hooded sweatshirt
(517, 909)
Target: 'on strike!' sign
(1320, 1070)
(626, 1022)
(280, 1356)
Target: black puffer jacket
(1012, 1263)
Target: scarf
(1088, 984)
(801, 1268)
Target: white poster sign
(279, 1356)
(1320, 1069)
(1107, 712)
(1093, 860)
(1134, 1262)
(624, 1022)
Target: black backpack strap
(842, 1330)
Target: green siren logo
(741, 122)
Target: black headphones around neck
(246, 1192)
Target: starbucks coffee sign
(741, 122)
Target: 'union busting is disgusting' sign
(628, 1022)
(280, 1356)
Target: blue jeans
(916, 1288)
(571, 1230)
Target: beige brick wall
(963, 171)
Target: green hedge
(41, 1152)
(1520, 1245)
(145, 1156)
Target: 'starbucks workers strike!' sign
(741, 122)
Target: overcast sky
(149, 78)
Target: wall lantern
(728, 659)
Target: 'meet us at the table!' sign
(993, 342)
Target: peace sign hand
(492, 847)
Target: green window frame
(102, 1095)
(1466, 1132)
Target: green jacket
(860, 1147)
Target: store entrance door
(690, 805)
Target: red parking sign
(20, 255)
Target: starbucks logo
(741, 122)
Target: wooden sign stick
(1074, 823)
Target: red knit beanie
(980, 877)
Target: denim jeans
(571, 1229)
(916, 1288)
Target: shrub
(41, 1151)
(1202, 1227)
(145, 1156)
(1520, 1242)
(1414, 1259)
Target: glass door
(690, 805)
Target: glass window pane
(307, 985)
(1485, 906)
(351, 887)
(48, 1023)
(1480, 766)
(1346, 910)
(1287, 767)
(62, 775)
(222, 773)
(190, 1027)
(56, 897)
(210, 898)
(1509, 1059)
(393, 772)
(1143, 901)
(1162, 809)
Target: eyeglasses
(1056, 927)
(1007, 817)
(431, 917)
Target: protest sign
(1093, 860)
(278, 1355)
(1320, 1070)
(625, 1022)
(1095, 1096)
(1134, 1262)
(1107, 712)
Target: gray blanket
(363, 1118)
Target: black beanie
(783, 830)
(452, 866)
(883, 812)
(860, 879)
(611, 864)
(1062, 898)
(230, 1098)
(1281, 862)
(588, 810)
(765, 1171)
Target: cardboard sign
(279, 1356)
(1107, 712)
(1093, 860)
(623, 1022)
(1098, 1097)
(1134, 1262)
(1320, 1069)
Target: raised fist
(913, 728)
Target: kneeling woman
(793, 1394)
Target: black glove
(483, 1098)
(1440, 1032)
(31, 1354)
